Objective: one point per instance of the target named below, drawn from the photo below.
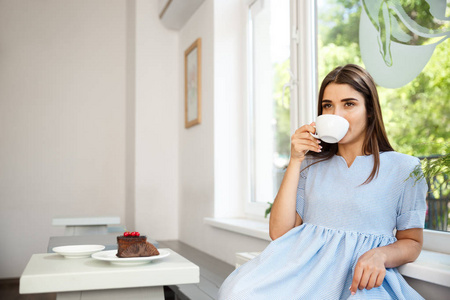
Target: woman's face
(344, 101)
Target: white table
(89, 279)
(86, 225)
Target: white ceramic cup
(330, 128)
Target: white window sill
(430, 266)
(248, 227)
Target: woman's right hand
(302, 142)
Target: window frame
(252, 208)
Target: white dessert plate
(78, 251)
(110, 256)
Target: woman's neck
(349, 153)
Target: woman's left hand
(369, 271)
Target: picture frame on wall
(193, 84)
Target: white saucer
(110, 256)
(78, 251)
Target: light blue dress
(342, 219)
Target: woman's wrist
(379, 252)
(295, 162)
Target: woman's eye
(349, 104)
(326, 106)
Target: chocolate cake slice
(135, 246)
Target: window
(385, 39)
(269, 99)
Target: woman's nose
(338, 112)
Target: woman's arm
(371, 266)
(283, 216)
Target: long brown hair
(375, 140)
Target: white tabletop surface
(49, 273)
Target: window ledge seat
(430, 266)
(213, 272)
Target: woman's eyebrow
(342, 100)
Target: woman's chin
(343, 141)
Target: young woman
(346, 214)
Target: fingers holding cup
(302, 142)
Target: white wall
(88, 120)
(130, 115)
(157, 121)
(62, 119)
(196, 147)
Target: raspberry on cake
(132, 244)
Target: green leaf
(268, 209)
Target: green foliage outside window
(282, 96)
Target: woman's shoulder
(310, 162)
(398, 159)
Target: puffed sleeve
(301, 187)
(412, 205)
